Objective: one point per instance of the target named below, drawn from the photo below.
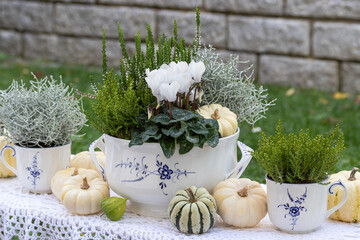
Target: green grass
(312, 109)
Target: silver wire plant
(46, 114)
(228, 86)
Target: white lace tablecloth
(42, 216)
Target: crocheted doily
(42, 216)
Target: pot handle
(4, 160)
(99, 143)
(332, 210)
(242, 164)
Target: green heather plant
(46, 114)
(122, 96)
(291, 158)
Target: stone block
(301, 72)
(89, 20)
(10, 42)
(350, 75)
(336, 40)
(213, 26)
(247, 60)
(273, 7)
(270, 35)
(183, 4)
(30, 16)
(347, 9)
(41, 46)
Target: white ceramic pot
(145, 176)
(300, 208)
(36, 166)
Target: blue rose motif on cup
(295, 207)
(141, 171)
(294, 211)
(34, 171)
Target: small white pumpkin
(83, 160)
(8, 154)
(227, 120)
(84, 197)
(350, 211)
(57, 181)
(241, 202)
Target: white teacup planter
(300, 208)
(36, 166)
(145, 176)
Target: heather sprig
(46, 114)
(291, 158)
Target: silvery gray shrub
(228, 86)
(46, 114)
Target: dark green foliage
(186, 128)
(121, 97)
(299, 158)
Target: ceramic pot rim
(296, 184)
(65, 145)
(125, 140)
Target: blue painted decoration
(141, 170)
(294, 207)
(34, 171)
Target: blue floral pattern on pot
(294, 207)
(34, 171)
(141, 170)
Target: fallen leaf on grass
(324, 101)
(341, 95)
(331, 120)
(290, 92)
(25, 71)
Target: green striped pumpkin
(192, 210)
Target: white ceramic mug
(145, 176)
(36, 166)
(300, 208)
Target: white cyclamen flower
(196, 70)
(169, 91)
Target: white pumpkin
(350, 211)
(83, 160)
(227, 120)
(84, 197)
(57, 182)
(241, 202)
(8, 154)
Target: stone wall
(308, 43)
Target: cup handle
(332, 210)
(99, 143)
(243, 163)
(5, 162)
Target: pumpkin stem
(76, 172)
(215, 115)
(192, 197)
(243, 192)
(85, 184)
(352, 174)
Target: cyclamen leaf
(175, 133)
(182, 115)
(185, 147)
(161, 118)
(168, 146)
(136, 138)
(213, 138)
(191, 138)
